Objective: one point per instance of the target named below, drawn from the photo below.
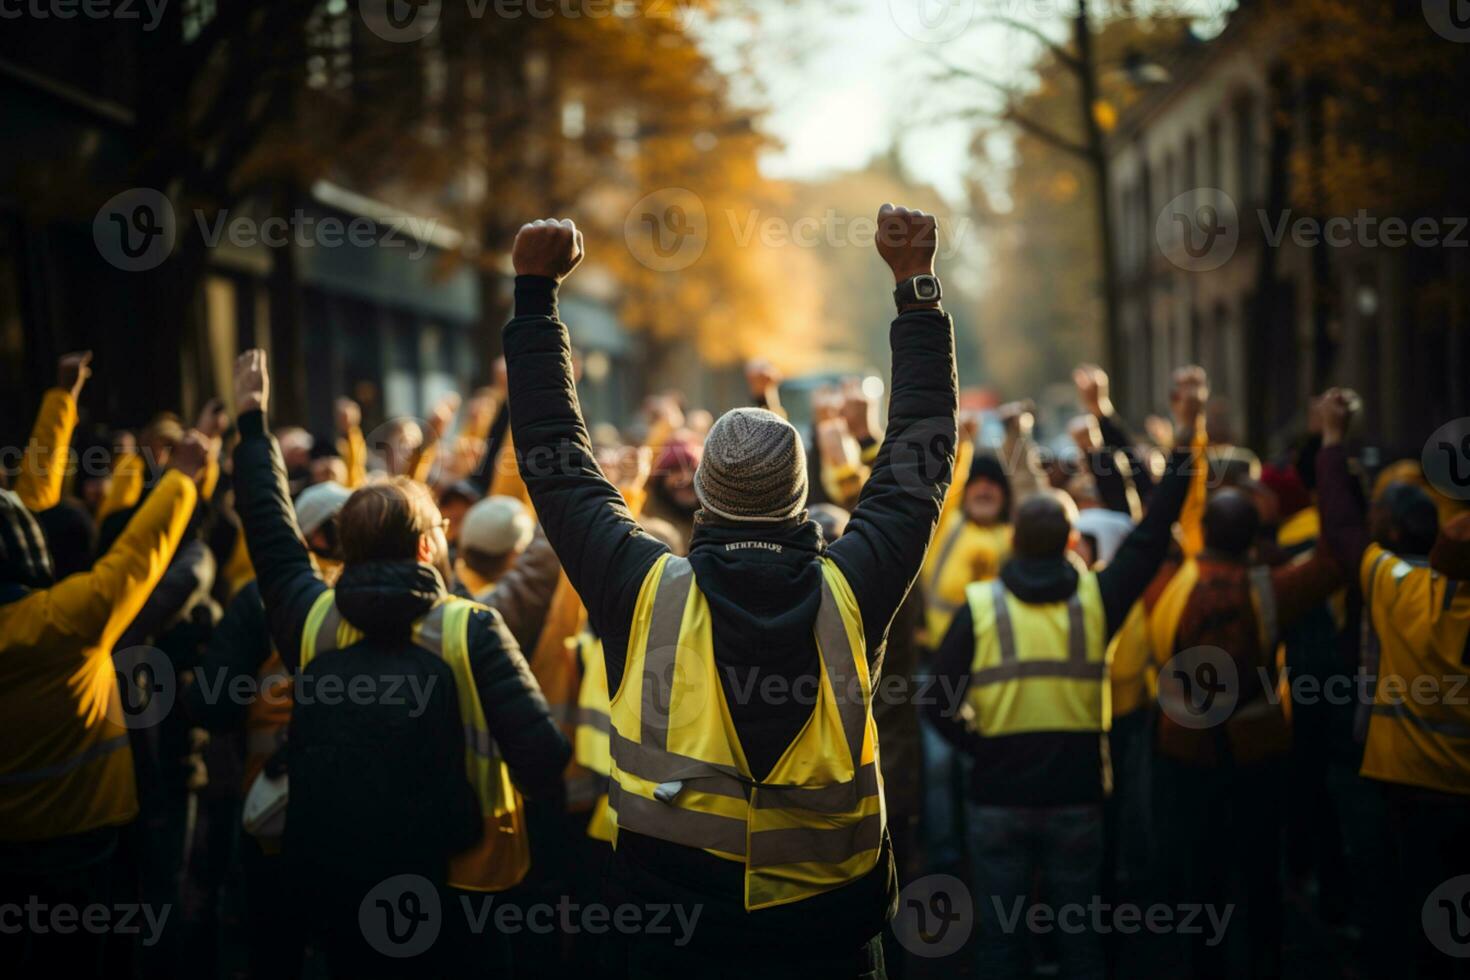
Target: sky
(842, 78)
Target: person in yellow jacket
(66, 771)
(1414, 577)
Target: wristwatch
(918, 289)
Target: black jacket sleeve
(237, 648)
(945, 695)
(604, 551)
(515, 709)
(288, 581)
(1115, 436)
(1138, 559)
(884, 545)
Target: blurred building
(392, 317)
(1212, 270)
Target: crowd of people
(519, 694)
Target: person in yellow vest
(67, 787)
(1414, 578)
(1022, 688)
(743, 754)
(415, 725)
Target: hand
(1337, 408)
(1187, 402)
(634, 466)
(213, 419)
(1314, 415)
(347, 414)
(1092, 390)
(252, 382)
(1085, 433)
(969, 427)
(826, 403)
(907, 241)
(760, 377)
(442, 415)
(859, 411)
(1019, 418)
(73, 370)
(549, 248)
(191, 454)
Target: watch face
(926, 288)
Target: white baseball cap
(496, 526)
(318, 504)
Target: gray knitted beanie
(753, 468)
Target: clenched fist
(550, 248)
(73, 370)
(252, 382)
(907, 241)
(1187, 400)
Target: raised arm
(603, 550)
(99, 604)
(1340, 498)
(883, 548)
(288, 581)
(43, 464)
(1144, 550)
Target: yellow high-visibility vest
(816, 821)
(963, 552)
(1039, 667)
(503, 856)
(1419, 728)
(591, 743)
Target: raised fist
(191, 453)
(252, 382)
(549, 247)
(213, 419)
(347, 414)
(1337, 407)
(73, 370)
(1092, 389)
(1019, 418)
(1187, 400)
(907, 241)
(443, 414)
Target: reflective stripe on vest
(816, 822)
(502, 857)
(1018, 684)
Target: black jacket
(762, 583)
(1051, 768)
(381, 599)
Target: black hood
(764, 589)
(1040, 580)
(24, 558)
(385, 597)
